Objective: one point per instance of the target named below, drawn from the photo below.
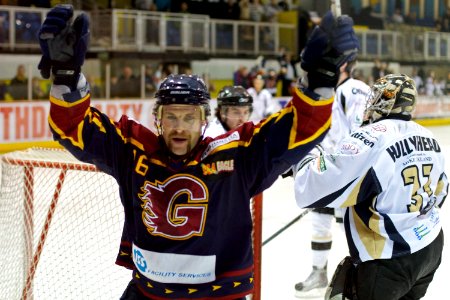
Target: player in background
(186, 198)
(234, 107)
(263, 102)
(347, 115)
(389, 176)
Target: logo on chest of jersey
(217, 167)
(175, 208)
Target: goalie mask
(392, 96)
(182, 89)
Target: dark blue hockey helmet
(183, 89)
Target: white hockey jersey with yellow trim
(390, 178)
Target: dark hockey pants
(402, 278)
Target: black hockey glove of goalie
(330, 45)
(64, 45)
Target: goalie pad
(342, 285)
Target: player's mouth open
(179, 139)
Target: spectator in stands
(230, 10)
(411, 18)
(4, 26)
(368, 18)
(430, 83)
(271, 11)
(245, 10)
(144, 4)
(3, 91)
(271, 82)
(96, 90)
(18, 86)
(38, 92)
(150, 86)
(128, 84)
(397, 16)
(241, 77)
(288, 73)
(263, 103)
(445, 21)
(114, 87)
(418, 80)
(447, 85)
(283, 4)
(256, 10)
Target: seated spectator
(397, 17)
(96, 90)
(18, 87)
(38, 92)
(128, 84)
(241, 77)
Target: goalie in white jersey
(234, 108)
(389, 176)
(347, 115)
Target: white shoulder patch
(217, 143)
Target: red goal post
(60, 226)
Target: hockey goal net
(60, 226)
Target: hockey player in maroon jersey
(186, 199)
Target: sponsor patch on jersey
(217, 167)
(217, 143)
(175, 268)
(378, 127)
(360, 136)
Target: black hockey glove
(64, 45)
(331, 44)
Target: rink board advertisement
(26, 121)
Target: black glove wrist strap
(68, 80)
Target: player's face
(181, 127)
(235, 116)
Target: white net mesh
(49, 201)
(60, 227)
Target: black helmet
(183, 89)
(392, 95)
(234, 96)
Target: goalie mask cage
(60, 226)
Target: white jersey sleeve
(347, 112)
(390, 178)
(214, 128)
